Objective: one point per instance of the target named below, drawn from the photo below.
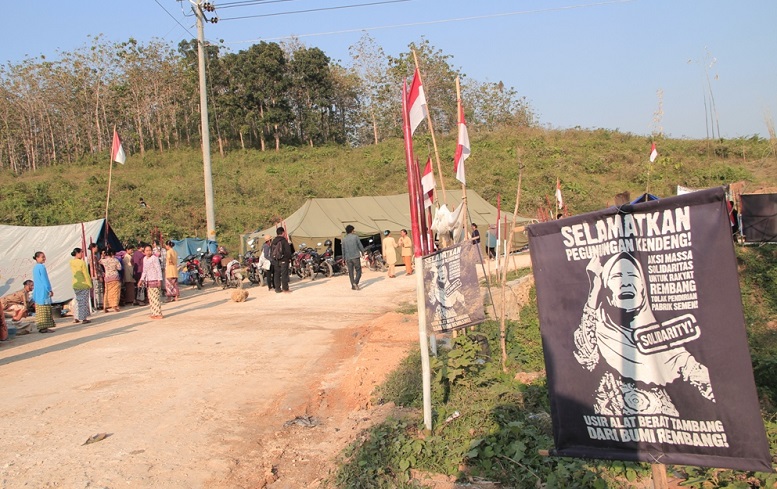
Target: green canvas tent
(321, 219)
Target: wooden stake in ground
(502, 326)
(659, 476)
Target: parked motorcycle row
(307, 262)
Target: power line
(172, 17)
(317, 9)
(248, 3)
(431, 22)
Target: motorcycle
(374, 258)
(300, 262)
(233, 275)
(318, 264)
(336, 263)
(218, 270)
(250, 262)
(191, 265)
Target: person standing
(137, 272)
(151, 277)
(129, 279)
(407, 251)
(266, 261)
(389, 252)
(112, 279)
(491, 241)
(475, 234)
(280, 252)
(82, 285)
(352, 252)
(97, 274)
(42, 294)
(171, 272)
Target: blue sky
(593, 64)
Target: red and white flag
(653, 152)
(462, 148)
(559, 200)
(117, 152)
(428, 184)
(416, 102)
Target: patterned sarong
(155, 301)
(171, 288)
(81, 309)
(43, 318)
(112, 294)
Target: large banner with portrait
(453, 298)
(644, 337)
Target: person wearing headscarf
(42, 294)
(406, 243)
(618, 305)
(171, 272)
(112, 278)
(389, 252)
(152, 279)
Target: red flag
(428, 184)
(653, 152)
(462, 148)
(117, 152)
(416, 101)
(559, 200)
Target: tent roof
(19, 243)
(327, 218)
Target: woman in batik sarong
(42, 294)
(634, 383)
(171, 272)
(151, 278)
(82, 286)
(112, 279)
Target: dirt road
(201, 398)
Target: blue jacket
(41, 294)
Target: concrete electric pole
(210, 213)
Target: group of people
(98, 281)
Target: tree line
(263, 97)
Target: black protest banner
(452, 292)
(644, 338)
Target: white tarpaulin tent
(18, 244)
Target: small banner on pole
(453, 298)
(644, 336)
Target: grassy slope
(252, 187)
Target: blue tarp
(189, 246)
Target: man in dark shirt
(280, 254)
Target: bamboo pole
(465, 234)
(431, 131)
(108, 197)
(502, 326)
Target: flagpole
(108, 198)
(465, 234)
(423, 340)
(431, 131)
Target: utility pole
(210, 213)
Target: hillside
(252, 187)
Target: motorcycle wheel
(198, 282)
(311, 272)
(381, 264)
(328, 269)
(298, 271)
